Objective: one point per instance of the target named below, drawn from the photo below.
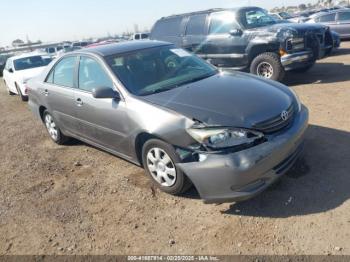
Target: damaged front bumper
(296, 60)
(239, 176)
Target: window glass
(253, 18)
(222, 23)
(327, 18)
(344, 16)
(158, 69)
(92, 75)
(168, 27)
(144, 36)
(137, 37)
(31, 62)
(63, 73)
(196, 25)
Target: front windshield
(158, 69)
(253, 18)
(31, 62)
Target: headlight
(297, 99)
(223, 137)
(295, 44)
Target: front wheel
(8, 89)
(268, 65)
(55, 133)
(159, 161)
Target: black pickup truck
(247, 38)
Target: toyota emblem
(285, 115)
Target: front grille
(276, 123)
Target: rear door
(169, 30)
(101, 121)
(343, 23)
(58, 93)
(195, 33)
(330, 20)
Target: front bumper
(242, 175)
(296, 60)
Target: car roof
(122, 47)
(25, 55)
(330, 12)
(208, 11)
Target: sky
(50, 20)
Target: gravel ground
(76, 199)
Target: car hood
(227, 99)
(285, 29)
(29, 73)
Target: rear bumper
(242, 175)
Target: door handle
(79, 102)
(46, 92)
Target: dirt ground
(76, 199)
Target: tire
(53, 130)
(10, 93)
(22, 97)
(159, 168)
(268, 65)
(303, 69)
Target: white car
(19, 69)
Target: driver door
(101, 121)
(222, 47)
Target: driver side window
(222, 23)
(92, 75)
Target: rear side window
(144, 36)
(222, 23)
(327, 18)
(196, 25)
(92, 75)
(63, 72)
(344, 16)
(167, 27)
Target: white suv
(19, 69)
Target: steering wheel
(172, 62)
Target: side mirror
(10, 70)
(105, 92)
(236, 32)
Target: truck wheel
(268, 65)
(303, 69)
(159, 161)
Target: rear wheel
(268, 65)
(55, 133)
(22, 97)
(159, 160)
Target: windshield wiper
(191, 80)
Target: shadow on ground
(321, 73)
(318, 182)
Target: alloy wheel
(265, 69)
